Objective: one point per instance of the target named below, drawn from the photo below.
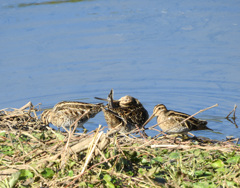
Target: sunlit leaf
(72, 163)
(174, 155)
(152, 170)
(230, 183)
(142, 171)
(47, 173)
(3, 184)
(144, 161)
(225, 170)
(90, 185)
(12, 135)
(14, 178)
(158, 159)
(107, 154)
(107, 178)
(197, 152)
(217, 164)
(70, 173)
(130, 173)
(3, 133)
(59, 136)
(110, 185)
(199, 173)
(201, 185)
(24, 174)
(83, 184)
(207, 173)
(234, 160)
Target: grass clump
(38, 156)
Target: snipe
(125, 113)
(63, 114)
(173, 122)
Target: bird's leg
(143, 134)
(85, 130)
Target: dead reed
(35, 155)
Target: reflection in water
(50, 2)
(233, 121)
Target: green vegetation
(42, 157)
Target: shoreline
(39, 156)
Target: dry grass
(35, 155)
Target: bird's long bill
(149, 119)
(110, 99)
(98, 98)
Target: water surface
(182, 54)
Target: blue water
(184, 54)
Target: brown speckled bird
(63, 114)
(125, 113)
(172, 122)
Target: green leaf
(202, 174)
(142, 171)
(144, 161)
(197, 152)
(224, 170)
(107, 178)
(90, 185)
(70, 173)
(199, 173)
(14, 178)
(110, 185)
(107, 155)
(7, 150)
(47, 173)
(217, 164)
(234, 160)
(12, 135)
(201, 185)
(130, 173)
(83, 184)
(174, 155)
(59, 136)
(3, 133)
(230, 183)
(152, 170)
(3, 184)
(24, 174)
(207, 173)
(205, 154)
(72, 163)
(158, 159)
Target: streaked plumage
(127, 112)
(171, 121)
(67, 112)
